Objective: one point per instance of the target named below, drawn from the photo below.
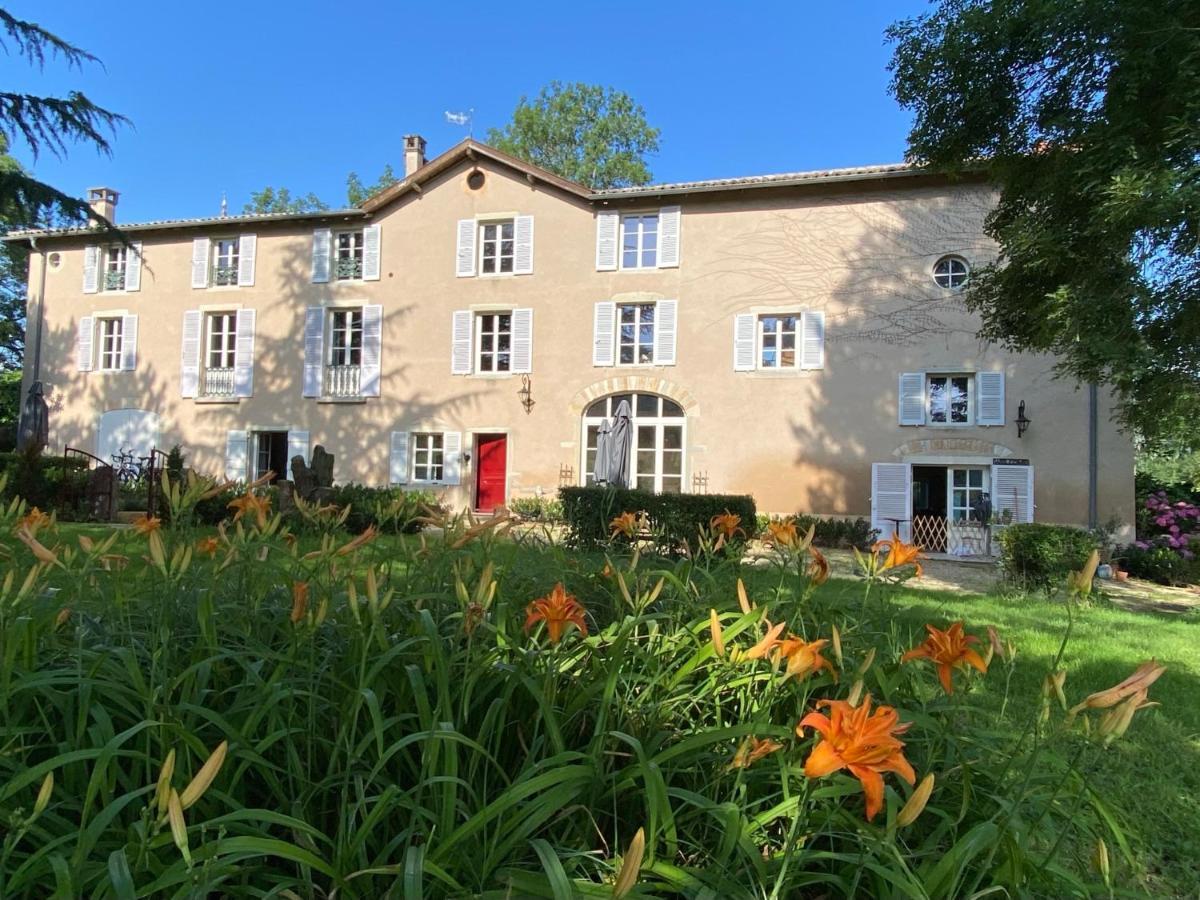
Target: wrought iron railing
(114, 280)
(348, 268)
(101, 491)
(218, 383)
(223, 276)
(342, 381)
(156, 464)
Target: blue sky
(296, 94)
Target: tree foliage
(357, 192)
(594, 135)
(270, 200)
(1085, 114)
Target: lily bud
(916, 803)
(43, 797)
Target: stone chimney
(414, 153)
(103, 202)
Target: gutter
(181, 224)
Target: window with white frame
(657, 449)
(345, 337)
(348, 255)
(968, 487)
(639, 241)
(777, 341)
(111, 343)
(496, 248)
(427, 457)
(950, 399)
(225, 261)
(951, 272)
(116, 259)
(220, 354)
(493, 342)
(635, 333)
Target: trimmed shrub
(1040, 556)
(675, 519)
(838, 534)
(537, 509)
(1159, 564)
(47, 482)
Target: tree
(594, 135)
(1085, 115)
(357, 192)
(269, 200)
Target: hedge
(675, 519)
(48, 482)
(1040, 556)
(838, 534)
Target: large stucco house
(800, 337)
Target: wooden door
(491, 471)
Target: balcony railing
(349, 268)
(114, 280)
(223, 276)
(342, 381)
(218, 382)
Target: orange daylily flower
(726, 524)
(1137, 683)
(358, 541)
(299, 600)
(768, 643)
(39, 550)
(783, 533)
(627, 524)
(899, 554)
(558, 609)
(250, 502)
(864, 743)
(804, 657)
(751, 750)
(948, 649)
(818, 566)
(208, 545)
(33, 520)
(147, 525)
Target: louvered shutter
(668, 237)
(371, 251)
(464, 254)
(460, 342)
(398, 458)
(91, 269)
(603, 334)
(812, 340)
(891, 499)
(989, 401)
(911, 398)
(372, 338)
(129, 336)
(523, 245)
(745, 334)
(666, 327)
(608, 227)
(1012, 490)
(83, 343)
(522, 341)
(189, 356)
(314, 349)
(247, 250)
(236, 456)
(297, 445)
(322, 250)
(451, 457)
(200, 263)
(243, 354)
(133, 267)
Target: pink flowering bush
(1168, 541)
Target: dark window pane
(672, 485)
(598, 408)
(647, 405)
(672, 437)
(626, 355)
(645, 354)
(671, 408)
(672, 463)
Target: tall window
(777, 342)
(222, 339)
(636, 322)
(348, 264)
(345, 337)
(494, 342)
(427, 457)
(496, 248)
(115, 259)
(111, 340)
(949, 398)
(656, 461)
(639, 241)
(225, 261)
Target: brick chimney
(103, 202)
(414, 153)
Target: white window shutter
(523, 245)
(522, 341)
(891, 499)
(911, 398)
(989, 401)
(451, 457)
(668, 237)
(745, 337)
(189, 356)
(371, 251)
(91, 269)
(247, 250)
(322, 251)
(243, 354)
(83, 344)
(460, 342)
(372, 339)
(608, 227)
(604, 334)
(464, 253)
(398, 458)
(236, 456)
(129, 335)
(314, 349)
(297, 445)
(1012, 490)
(666, 327)
(812, 344)
(133, 267)
(200, 263)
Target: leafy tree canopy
(357, 192)
(1086, 116)
(269, 200)
(594, 135)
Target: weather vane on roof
(462, 118)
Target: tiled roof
(782, 179)
(165, 224)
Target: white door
(128, 430)
(965, 490)
(891, 500)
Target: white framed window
(636, 329)
(950, 399)
(348, 255)
(951, 272)
(968, 486)
(111, 339)
(428, 457)
(639, 241)
(657, 451)
(496, 247)
(225, 257)
(345, 337)
(777, 335)
(493, 342)
(116, 259)
(220, 354)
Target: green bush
(537, 509)
(390, 509)
(839, 534)
(1040, 556)
(1159, 564)
(47, 482)
(675, 519)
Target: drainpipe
(1093, 455)
(37, 344)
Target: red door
(491, 453)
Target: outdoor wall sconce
(1022, 420)
(526, 394)
(466, 457)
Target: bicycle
(128, 468)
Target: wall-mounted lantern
(1022, 420)
(526, 394)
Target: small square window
(777, 341)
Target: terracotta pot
(1121, 575)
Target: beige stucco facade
(859, 250)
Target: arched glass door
(657, 462)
